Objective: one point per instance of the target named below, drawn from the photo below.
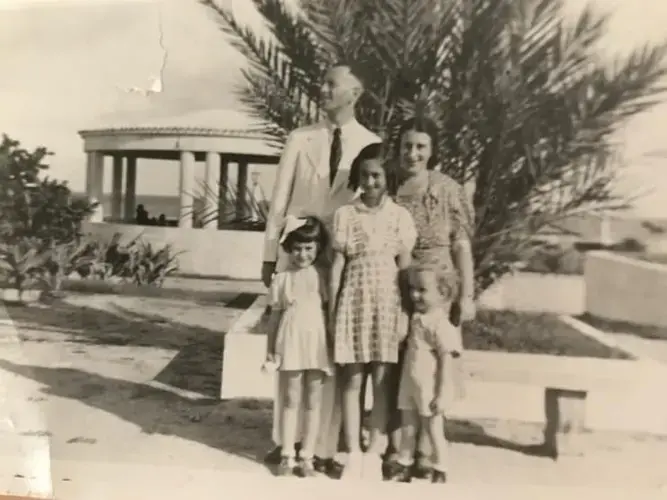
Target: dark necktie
(335, 155)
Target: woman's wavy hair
(424, 125)
(375, 151)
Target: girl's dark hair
(312, 231)
(423, 125)
(373, 151)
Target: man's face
(340, 89)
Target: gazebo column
(117, 188)
(242, 191)
(223, 191)
(95, 175)
(186, 185)
(211, 193)
(130, 189)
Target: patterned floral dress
(369, 318)
(442, 214)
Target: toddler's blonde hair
(446, 281)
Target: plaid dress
(369, 317)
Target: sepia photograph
(306, 247)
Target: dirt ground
(135, 380)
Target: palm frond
(527, 106)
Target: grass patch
(532, 333)
(132, 290)
(648, 332)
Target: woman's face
(415, 151)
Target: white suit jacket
(302, 181)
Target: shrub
(33, 207)
(137, 261)
(571, 262)
(555, 259)
(629, 245)
(40, 232)
(23, 263)
(67, 258)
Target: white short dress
(301, 342)
(430, 334)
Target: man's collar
(344, 129)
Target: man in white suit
(312, 179)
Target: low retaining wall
(625, 289)
(535, 292)
(504, 386)
(229, 254)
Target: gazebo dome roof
(203, 122)
(223, 130)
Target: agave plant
(24, 264)
(526, 105)
(67, 258)
(213, 204)
(147, 265)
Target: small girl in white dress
(297, 339)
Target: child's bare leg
(362, 403)
(380, 379)
(424, 449)
(435, 429)
(353, 374)
(291, 405)
(313, 380)
(409, 427)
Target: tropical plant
(24, 263)
(67, 258)
(213, 204)
(136, 261)
(526, 104)
(148, 265)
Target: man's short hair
(354, 74)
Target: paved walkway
(84, 420)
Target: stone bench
(552, 390)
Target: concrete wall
(625, 289)
(535, 292)
(231, 254)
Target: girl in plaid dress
(372, 241)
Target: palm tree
(526, 105)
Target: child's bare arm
(272, 333)
(335, 281)
(441, 377)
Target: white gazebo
(218, 138)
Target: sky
(67, 65)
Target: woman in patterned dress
(444, 219)
(372, 241)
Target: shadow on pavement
(238, 427)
